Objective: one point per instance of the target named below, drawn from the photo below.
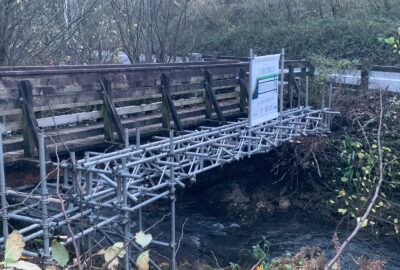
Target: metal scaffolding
(101, 189)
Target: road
(378, 79)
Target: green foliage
(393, 41)
(327, 66)
(112, 254)
(338, 38)
(59, 253)
(359, 172)
(306, 258)
(13, 251)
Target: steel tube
(45, 195)
(87, 231)
(3, 194)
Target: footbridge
(109, 141)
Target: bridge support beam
(211, 100)
(30, 125)
(168, 108)
(112, 121)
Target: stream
(205, 234)
(285, 231)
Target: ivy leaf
(342, 211)
(341, 193)
(112, 253)
(143, 239)
(390, 40)
(364, 223)
(119, 248)
(14, 246)
(142, 261)
(59, 253)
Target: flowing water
(285, 231)
(205, 234)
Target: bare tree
(151, 27)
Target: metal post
(330, 105)
(307, 86)
(44, 197)
(282, 80)
(300, 86)
(89, 188)
(76, 191)
(65, 175)
(125, 219)
(291, 85)
(140, 214)
(73, 160)
(4, 213)
(281, 89)
(173, 200)
(250, 94)
(126, 137)
(137, 137)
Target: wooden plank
(102, 66)
(87, 132)
(102, 71)
(210, 95)
(168, 104)
(93, 116)
(110, 116)
(30, 126)
(365, 73)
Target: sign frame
(264, 91)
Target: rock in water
(284, 203)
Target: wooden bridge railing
(81, 106)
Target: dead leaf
(14, 246)
(142, 261)
(112, 265)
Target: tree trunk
(3, 55)
(289, 12)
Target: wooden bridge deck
(67, 103)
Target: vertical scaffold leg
(44, 198)
(140, 216)
(126, 219)
(4, 205)
(89, 187)
(173, 200)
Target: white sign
(264, 81)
